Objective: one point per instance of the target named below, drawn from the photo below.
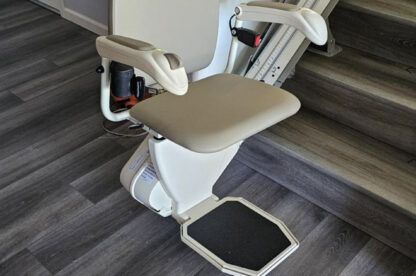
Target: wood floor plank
(27, 215)
(79, 51)
(59, 173)
(21, 12)
(375, 258)
(164, 259)
(333, 242)
(29, 45)
(73, 239)
(32, 31)
(46, 105)
(43, 199)
(235, 174)
(48, 115)
(329, 145)
(300, 215)
(104, 180)
(400, 10)
(375, 33)
(23, 263)
(25, 70)
(126, 247)
(361, 91)
(261, 191)
(6, 9)
(54, 146)
(55, 78)
(367, 74)
(8, 100)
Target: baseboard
(84, 21)
(37, 2)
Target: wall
(54, 5)
(95, 9)
(91, 14)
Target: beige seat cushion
(217, 112)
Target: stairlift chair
(197, 128)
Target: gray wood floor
(379, 27)
(62, 208)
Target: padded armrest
(274, 5)
(310, 23)
(166, 68)
(132, 43)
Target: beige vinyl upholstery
(217, 112)
(188, 28)
(132, 43)
(274, 5)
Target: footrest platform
(239, 238)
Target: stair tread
(366, 74)
(400, 10)
(365, 164)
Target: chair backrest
(188, 28)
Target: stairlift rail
(284, 48)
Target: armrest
(310, 23)
(166, 68)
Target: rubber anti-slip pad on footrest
(239, 236)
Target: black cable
(229, 22)
(120, 134)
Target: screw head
(100, 69)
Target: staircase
(351, 149)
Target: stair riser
(374, 34)
(369, 214)
(395, 125)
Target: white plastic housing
(188, 177)
(139, 178)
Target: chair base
(238, 237)
(233, 234)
